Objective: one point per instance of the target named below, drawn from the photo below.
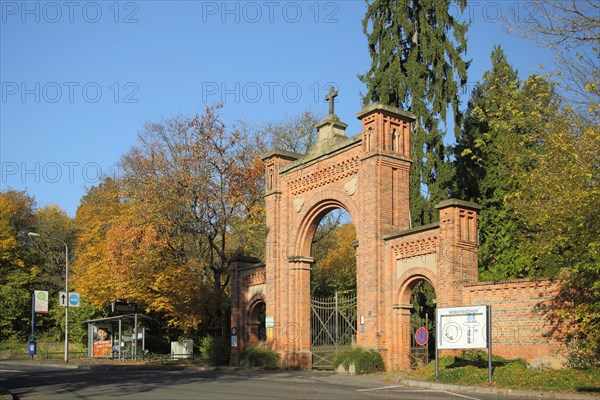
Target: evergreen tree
(416, 48)
(500, 118)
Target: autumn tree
(570, 28)
(94, 276)
(193, 177)
(18, 271)
(27, 265)
(297, 133)
(335, 256)
(416, 48)
(561, 206)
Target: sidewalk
(501, 391)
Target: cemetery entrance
(333, 328)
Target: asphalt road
(46, 382)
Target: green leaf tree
(416, 48)
(502, 119)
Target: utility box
(183, 349)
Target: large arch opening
(333, 286)
(334, 252)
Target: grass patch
(471, 369)
(365, 361)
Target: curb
(502, 391)
(125, 367)
(5, 394)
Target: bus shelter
(121, 336)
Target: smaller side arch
(401, 348)
(409, 279)
(254, 325)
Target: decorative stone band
(416, 247)
(256, 278)
(324, 176)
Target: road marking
(461, 395)
(378, 388)
(417, 390)
(10, 370)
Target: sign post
(489, 338)
(464, 328)
(39, 304)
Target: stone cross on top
(330, 98)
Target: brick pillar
(457, 252)
(278, 297)
(384, 204)
(296, 330)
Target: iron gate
(419, 354)
(332, 327)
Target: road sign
(73, 299)
(40, 301)
(421, 336)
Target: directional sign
(73, 299)
(41, 301)
(421, 336)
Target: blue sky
(80, 78)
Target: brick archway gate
(367, 175)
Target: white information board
(462, 327)
(41, 301)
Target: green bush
(582, 355)
(365, 361)
(216, 349)
(260, 356)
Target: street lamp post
(32, 235)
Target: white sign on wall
(462, 327)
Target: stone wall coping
(523, 281)
(385, 154)
(422, 228)
(458, 203)
(243, 258)
(288, 155)
(384, 107)
(328, 152)
(250, 267)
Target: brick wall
(519, 328)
